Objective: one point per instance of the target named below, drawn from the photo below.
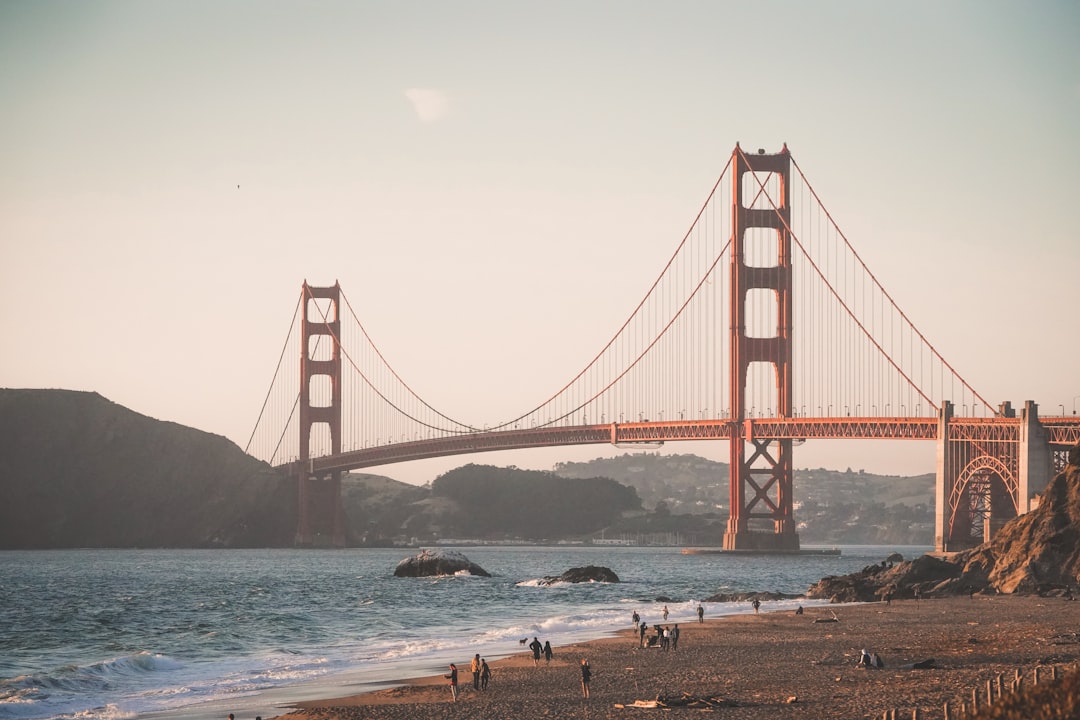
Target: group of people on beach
(481, 675)
(665, 638)
(481, 672)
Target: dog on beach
(522, 641)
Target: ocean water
(179, 634)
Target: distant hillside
(79, 471)
(684, 483)
(831, 506)
(379, 509)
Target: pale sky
(496, 184)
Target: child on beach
(586, 676)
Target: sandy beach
(770, 665)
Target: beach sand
(770, 665)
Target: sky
(496, 184)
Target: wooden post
(946, 713)
(1053, 672)
(1001, 686)
(1036, 682)
(915, 714)
(974, 700)
(989, 691)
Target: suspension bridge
(765, 329)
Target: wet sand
(770, 665)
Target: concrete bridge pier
(1036, 460)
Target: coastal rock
(589, 573)
(873, 582)
(1035, 553)
(428, 563)
(1038, 552)
(748, 596)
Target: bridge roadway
(1062, 432)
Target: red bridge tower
(761, 468)
(320, 515)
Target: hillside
(77, 470)
(831, 507)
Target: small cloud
(430, 105)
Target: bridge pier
(1036, 457)
(942, 481)
(321, 514)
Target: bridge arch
(984, 496)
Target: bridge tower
(761, 469)
(320, 514)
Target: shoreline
(770, 665)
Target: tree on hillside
(531, 503)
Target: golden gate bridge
(765, 329)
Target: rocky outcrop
(748, 596)
(428, 563)
(589, 573)
(1038, 552)
(928, 574)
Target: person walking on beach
(586, 676)
(547, 652)
(636, 618)
(675, 637)
(485, 674)
(756, 604)
(536, 647)
(452, 677)
(665, 613)
(474, 668)
(641, 633)
(700, 613)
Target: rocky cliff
(77, 470)
(1038, 552)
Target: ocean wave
(20, 696)
(87, 678)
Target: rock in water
(436, 562)
(589, 573)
